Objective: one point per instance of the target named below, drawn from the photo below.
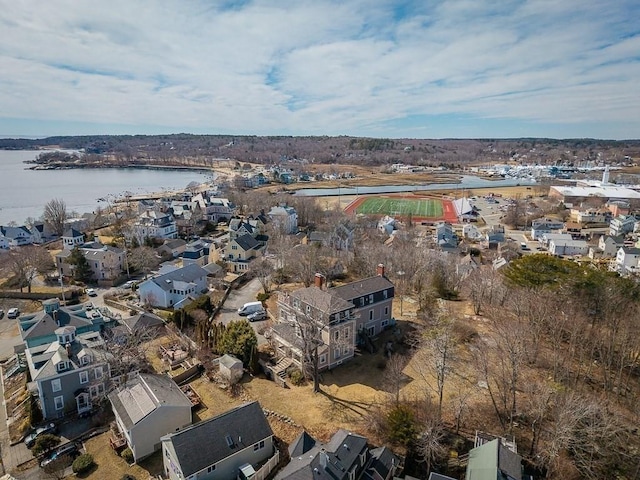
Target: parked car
(69, 450)
(91, 292)
(257, 316)
(249, 308)
(1, 313)
(128, 285)
(13, 313)
(30, 440)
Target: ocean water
(24, 193)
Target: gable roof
(322, 300)
(493, 461)
(361, 288)
(205, 443)
(332, 461)
(187, 274)
(142, 321)
(302, 444)
(143, 395)
(247, 242)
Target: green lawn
(401, 207)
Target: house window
(345, 350)
(385, 293)
(211, 468)
(84, 377)
(336, 335)
(371, 298)
(347, 332)
(384, 323)
(362, 458)
(234, 247)
(59, 402)
(98, 373)
(96, 390)
(336, 353)
(323, 359)
(370, 314)
(62, 366)
(55, 385)
(386, 310)
(352, 474)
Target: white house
(155, 224)
(286, 218)
(546, 238)
(621, 224)
(16, 236)
(174, 288)
(72, 238)
(147, 408)
(545, 225)
(568, 247)
(221, 447)
(627, 259)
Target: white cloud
(321, 67)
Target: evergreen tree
(238, 340)
(82, 270)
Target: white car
(13, 313)
(91, 292)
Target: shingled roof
(205, 443)
(322, 300)
(361, 288)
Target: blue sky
(419, 69)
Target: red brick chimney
(380, 270)
(318, 280)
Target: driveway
(237, 298)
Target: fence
(39, 296)
(265, 470)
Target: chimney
(68, 347)
(55, 317)
(96, 238)
(318, 280)
(380, 270)
(324, 459)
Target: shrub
(83, 463)
(401, 425)
(127, 455)
(44, 443)
(263, 297)
(296, 377)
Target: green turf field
(419, 207)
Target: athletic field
(402, 207)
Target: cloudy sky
(421, 69)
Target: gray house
(69, 374)
(345, 457)
(175, 288)
(373, 299)
(147, 408)
(220, 447)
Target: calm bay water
(23, 193)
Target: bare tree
(55, 215)
(431, 441)
(143, 259)
(393, 376)
(262, 269)
(26, 263)
(436, 355)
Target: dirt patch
(111, 466)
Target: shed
(231, 368)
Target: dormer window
(61, 367)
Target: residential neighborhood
(262, 336)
